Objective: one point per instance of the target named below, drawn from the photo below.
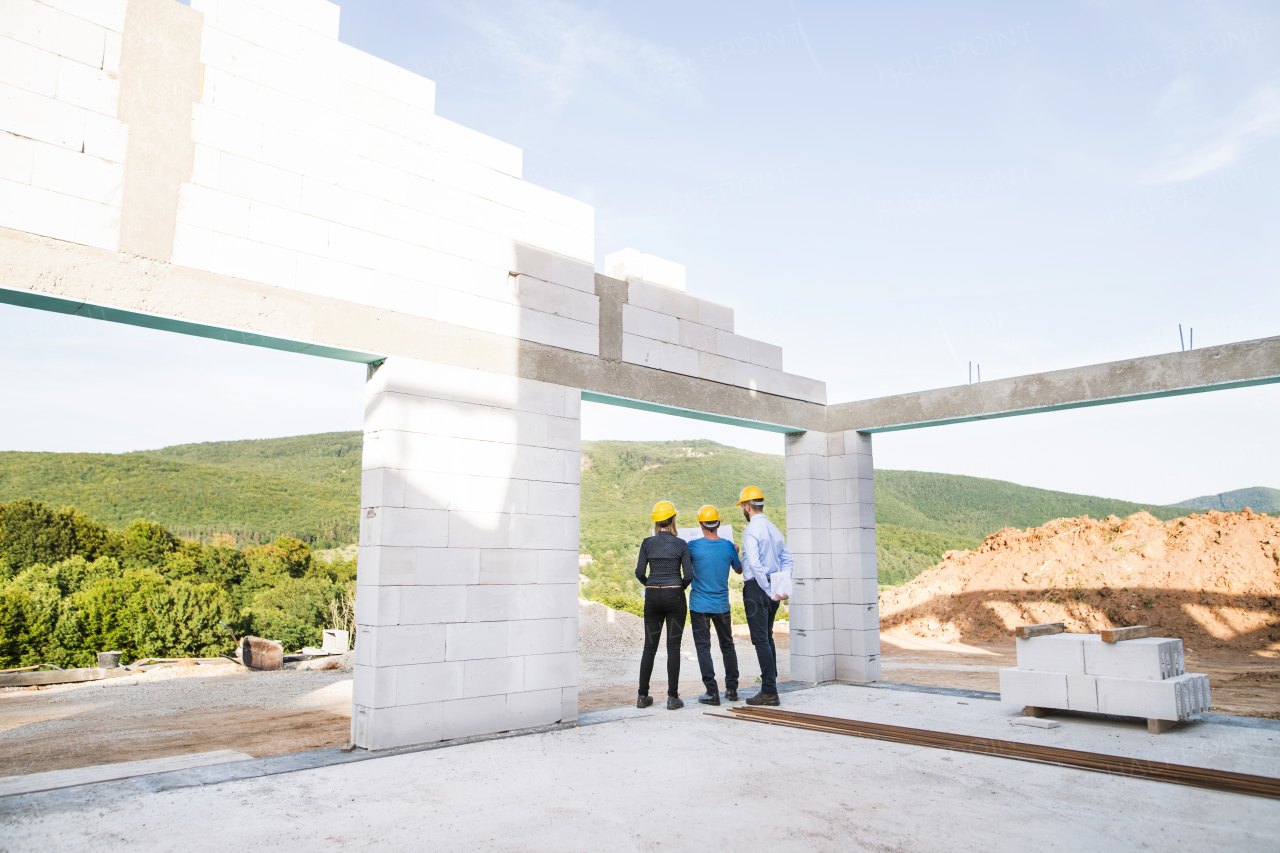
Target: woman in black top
(669, 567)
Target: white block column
(835, 611)
(466, 604)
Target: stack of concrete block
(667, 329)
(62, 145)
(466, 604)
(1079, 672)
(835, 599)
(323, 169)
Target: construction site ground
(662, 779)
(182, 710)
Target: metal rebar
(1115, 765)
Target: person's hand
(781, 597)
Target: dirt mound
(1212, 580)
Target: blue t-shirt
(712, 560)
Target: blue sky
(889, 191)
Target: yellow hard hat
(708, 514)
(750, 493)
(663, 510)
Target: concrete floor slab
(682, 779)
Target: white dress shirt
(764, 551)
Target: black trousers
(702, 623)
(761, 608)
(663, 606)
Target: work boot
(763, 698)
(644, 700)
(731, 694)
(709, 698)
(674, 703)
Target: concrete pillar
(466, 604)
(831, 530)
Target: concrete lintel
(1237, 365)
(61, 305)
(39, 272)
(625, 402)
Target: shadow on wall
(468, 575)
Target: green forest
(306, 487)
(71, 586)
(232, 528)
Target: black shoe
(644, 700)
(709, 698)
(674, 703)
(731, 695)
(763, 698)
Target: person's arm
(785, 566)
(785, 563)
(642, 563)
(686, 565)
(751, 552)
(734, 562)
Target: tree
(31, 532)
(181, 620)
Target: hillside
(1259, 499)
(1213, 580)
(308, 487)
(328, 459)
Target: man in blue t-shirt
(713, 557)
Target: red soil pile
(1212, 580)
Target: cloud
(1253, 122)
(561, 49)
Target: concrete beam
(1237, 365)
(53, 275)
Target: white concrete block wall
(467, 607)
(831, 533)
(668, 329)
(324, 169)
(62, 149)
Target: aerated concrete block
(1063, 653)
(1150, 658)
(1082, 693)
(1173, 698)
(858, 669)
(864, 643)
(389, 728)
(813, 669)
(813, 643)
(1038, 689)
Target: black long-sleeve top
(668, 560)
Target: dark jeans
(702, 623)
(761, 609)
(663, 605)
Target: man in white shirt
(766, 575)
